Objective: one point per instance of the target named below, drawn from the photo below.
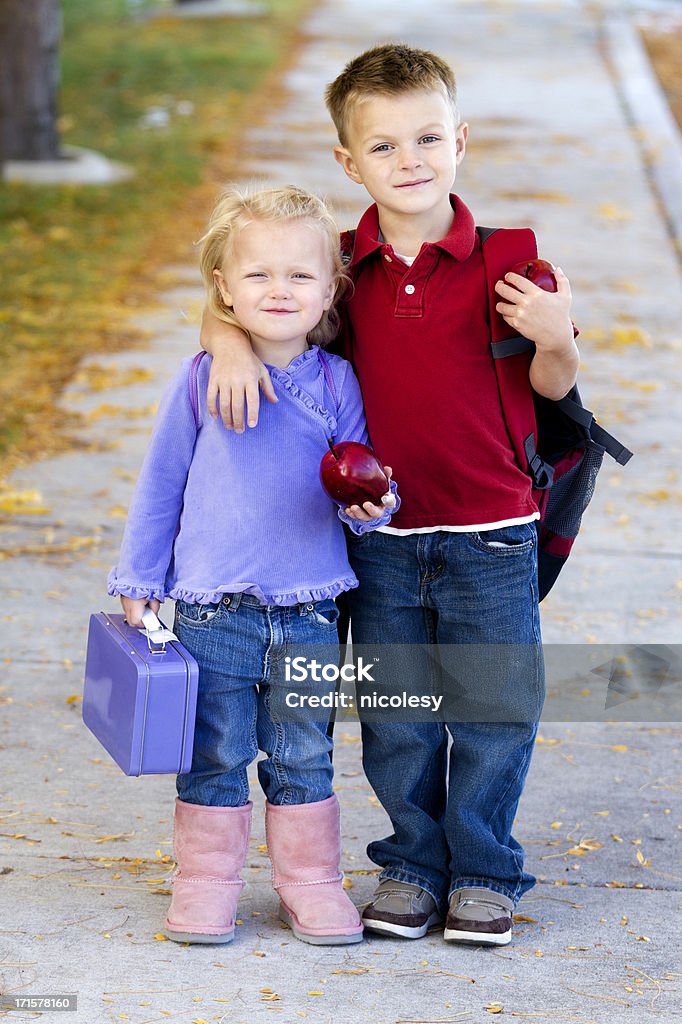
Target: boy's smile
(405, 150)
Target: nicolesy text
(373, 699)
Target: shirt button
(409, 289)
(387, 257)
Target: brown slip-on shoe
(480, 917)
(401, 909)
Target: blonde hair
(238, 207)
(387, 70)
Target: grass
(76, 260)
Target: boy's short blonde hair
(238, 207)
(387, 70)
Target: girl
(239, 532)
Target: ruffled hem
(137, 593)
(291, 598)
(359, 528)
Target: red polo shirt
(419, 340)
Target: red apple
(540, 272)
(351, 473)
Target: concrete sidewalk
(85, 852)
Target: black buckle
(542, 473)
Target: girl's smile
(278, 280)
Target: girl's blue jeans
(241, 646)
(451, 810)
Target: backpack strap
(347, 246)
(327, 370)
(505, 246)
(501, 248)
(577, 412)
(193, 386)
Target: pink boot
(210, 845)
(304, 845)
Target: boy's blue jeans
(240, 646)
(452, 815)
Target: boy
(459, 563)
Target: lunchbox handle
(156, 633)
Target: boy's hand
(133, 609)
(540, 316)
(368, 510)
(237, 374)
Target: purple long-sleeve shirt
(216, 512)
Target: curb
(648, 113)
(78, 166)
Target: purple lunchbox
(140, 697)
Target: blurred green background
(167, 97)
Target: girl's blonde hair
(238, 207)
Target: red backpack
(558, 443)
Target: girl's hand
(133, 609)
(369, 510)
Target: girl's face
(278, 280)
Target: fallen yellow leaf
(611, 212)
(590, 844)
(625, 336)
(540, 196)
(23, 503)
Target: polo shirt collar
(459, 241)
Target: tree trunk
(30, 31)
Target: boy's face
(405, 150)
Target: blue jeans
(451, 811)
(240, 646)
